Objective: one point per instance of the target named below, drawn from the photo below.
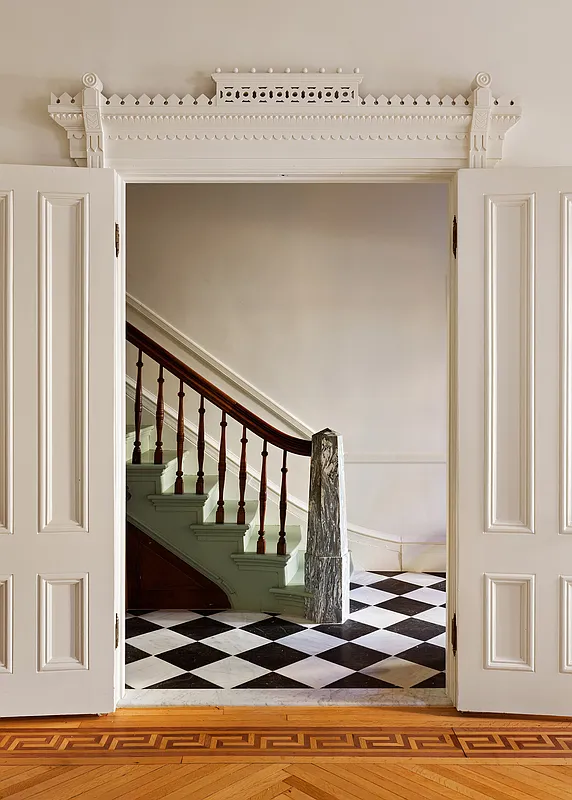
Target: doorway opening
(316, 302)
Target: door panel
(513, 481)
(58, 491)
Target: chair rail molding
(284, 125)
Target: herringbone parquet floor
(296, 753)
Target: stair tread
(190, 484)
(230, 510)
(129, 429)
(147, 458)
(293, 539)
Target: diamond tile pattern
(393, 638)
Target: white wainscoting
(6, 362)
(63, 622)
(510, 622)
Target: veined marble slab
(284, 697)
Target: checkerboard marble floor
(394, 638)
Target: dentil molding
(282, 118)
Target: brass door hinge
(454, 634)
(116, 631)
(454, 237)
(117, 240)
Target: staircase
(180, 496)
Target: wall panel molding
(6, 623)
(63, 346)
(566, 369)
(6, 362)
(509, 364)
(510, 622)
(63, 622)
(565, 627)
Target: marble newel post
(327, 555)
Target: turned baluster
(201, 450)
(221, 470)
(179, 483)
(261, 543)
(136, 457)
(281, 547)
(241, 513)
(159, 417)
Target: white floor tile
(420, 578)
(170, 618)
(377, 617)
(365, 578)
(159, 641)
(305, 623)
(238, 619)
(438, 615)
(366, 594)
(315, 672)
(426, 595)
(440, 640)
(399, 672)
(149, 671)
(387, 642)
(311, 642)
(234, 642)
(230, 672)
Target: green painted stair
(225, 553)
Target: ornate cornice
(285, 107)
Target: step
(189, 500)
(228, 531)
(147, 439)
(162, 475)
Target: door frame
(202, 172)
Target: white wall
(172, 46)
(331, 300)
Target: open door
(514, 434)
(59, 487)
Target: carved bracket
(287, 114)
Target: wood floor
(296, 753)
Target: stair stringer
(223, 553)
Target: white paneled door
(514, 480)
(58, 484)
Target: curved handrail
(267, 432)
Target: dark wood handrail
(270, 434)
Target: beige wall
(331, 300)
(173, 46)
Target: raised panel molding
(509, 364)
(566, 370)
(63, 346)
(6, 362)
(63, 622)
(565, 623)
(510, 622)
(6, 625)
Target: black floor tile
(438, 574)
(348, 630)
(405, 605)
(417, 629)
(273, 656)
(273, 628)
(356, 606)
(427, 655)
(133, 654)
(353, 656)
(186, 681)
(360, 681)
(394, 586)
(201, 628)
(272, 680)
(134, 626)
(441, 587)
(388, 573)
(355, 586)
(192, 656)
(137, 612)
(435, 682)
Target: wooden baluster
(159, 417)
(241, 513)
(136, 457)
(221, 470)
(201, 450)
(261, 543)
(281, 548)
(179, 483)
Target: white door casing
(58, 408)
(514, 456)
